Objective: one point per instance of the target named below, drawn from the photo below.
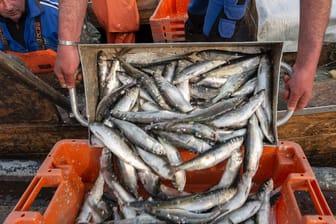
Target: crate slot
(43, 199)
(169, 16)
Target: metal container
(88, 57)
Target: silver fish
(175, 215)
(243, 70)
(263, 215)
(171, 192)
(142, 218)
(169, 71)
(232, 85)
(146, 82)
(112, 182)
(111, 81)
(124, 78)
(214, 82)
(197, 129)
(150, 181)
(242, 113)
(243, 190)
(147, 116)
(117, 145)
(172, 94)
(247, 88)
(144, 95)
(264, 82)
(211, 157)
(149, 106)
(197, 202)
(265, 124)
(139, 137)
(216, 54)
(150, 59)
(105, 104)
(249, 221)
(203, 92)
(248, 210)
(231, 171)
(127, 102)
(103, 70)
(101, 211)
(185, 141)
(93, 197)
(197, 69)
(212, 110)
(174, 159)
(128, 177)
(158, 164)
(265, 114)
(223, 135)
(253, 146)
(184, 89)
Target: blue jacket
(48, 12)
(212, 9)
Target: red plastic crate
(168, 19)
(72, 167)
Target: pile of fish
(213, 103)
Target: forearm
(314, 16)
(71, 19)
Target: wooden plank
(35, 138)
(316, 134)
(19, 103)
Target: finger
(79, 76)
(302, 103)
(286, 78)
(285, 94)
(61, 80)
(69, 81)
(293, 100)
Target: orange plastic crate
(72, 167)
(168, 19)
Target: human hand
(66, 65)
(298, 88)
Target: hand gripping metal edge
(289, 113)
(74, 107)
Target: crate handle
(289, 113)
(73, 101)
(301, 182)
